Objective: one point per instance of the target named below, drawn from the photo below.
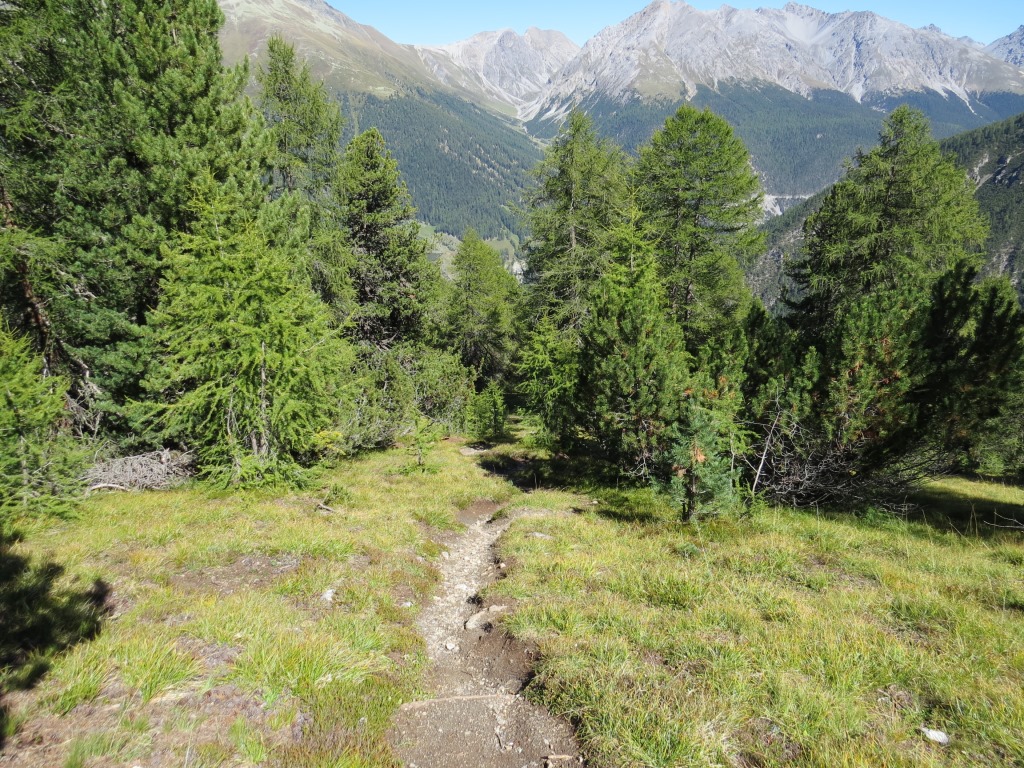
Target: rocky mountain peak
(668, 49)
(1010, 48)
(503, 66)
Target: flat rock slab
(492, 731)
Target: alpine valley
(803, 88)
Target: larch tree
(702, 199)
(902, 215)
(252, 376)
(482, 309)
(38, 466)
(579, 192)
(110, 112)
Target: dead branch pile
(147, 471)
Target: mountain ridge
(668, 49)
(511, 69)
(803, 88)
(1009, 48)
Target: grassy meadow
(786, 638)
(243, 629)
(266, 629)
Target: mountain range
(802, 87)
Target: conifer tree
(482, 308)
(252, 375)
(390, 273)
(900, 353)
(111, 111)
(547, 373)
(37, 466)
(631, 370)
(303, 120)
(580, 191)
(902, 215)
(702, 198)
(305, 126)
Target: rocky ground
(477, 715)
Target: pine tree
(580, 191)
(252, 375)
(391, 273)
(482, 308)
(111, 111)
(547, 372)
(38, 467)
(701, 197)
(631, 370)
(902, 354)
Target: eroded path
(477, 716)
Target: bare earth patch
(476, 715)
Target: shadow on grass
(620, 499)
(528, 471)
(39, 617)
(968, 508)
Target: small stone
(478, 620)
(498, 608)
(328, 596)
(445, 556)
(939, 737)
(407, 604)
(450, 646)
(502, 566)
(539, 535)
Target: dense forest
(183, 267)
(798, 145)
(430, 134)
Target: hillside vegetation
(236, 391)
(279, 631)
(465, 168)
(994, 156)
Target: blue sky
(445, 21)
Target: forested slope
(994, 158)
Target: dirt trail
(477, 717)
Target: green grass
(786, 638)
(780, 639)
(222, 595)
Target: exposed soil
(243, 575)
(194, 720)
(191, 721)
(477, 715)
